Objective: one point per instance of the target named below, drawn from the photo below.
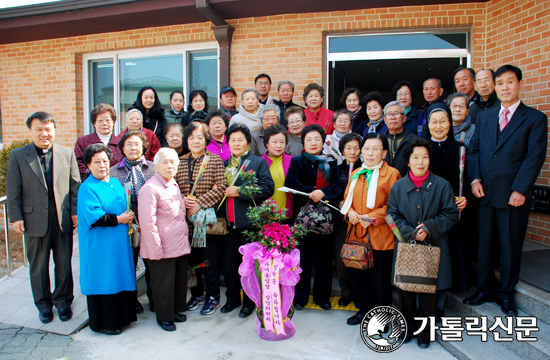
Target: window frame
(117, 55)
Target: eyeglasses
(458, 106)
(400, 95)
(340, 121)
(273, 118)
(439, 122)
(373, 149)
(131, 144)
(295, 122)
(394, 115)
(483, 81)
(315, 140)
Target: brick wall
(518, 33)
(48, 74)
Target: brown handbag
(218, 228)
(356, 255)
(416, 265)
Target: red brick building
(66, 56)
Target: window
(116, 77)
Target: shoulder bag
(357, 255)
(316, 218)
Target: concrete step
(539, 349)
(472, 348)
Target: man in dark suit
(505, 157)
(42, 185)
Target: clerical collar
(43, 151)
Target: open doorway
(376, 61)
(381, 75)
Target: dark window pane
(203, 75)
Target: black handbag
(316, 218)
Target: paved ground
(320, 335)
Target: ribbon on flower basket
(270, 264)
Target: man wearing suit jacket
(42, 185)
(505, 157)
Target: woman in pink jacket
(164, 239)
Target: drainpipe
(223, 33)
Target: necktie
(504, 119)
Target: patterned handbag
(316, 218)
(357, 255)
(416, 266)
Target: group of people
(461, 169)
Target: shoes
(344, 301)
(179, 318)
(228, 307)
(193, 303)
(356, 319)
(325, 306)
(298, 306)
(508, 307)
(423, 344)
(167, 325)
(479, 298)
(111, 332)
(151, 308)
(45, 316)
(246, 312)
(210, 306)
(139, 307)
(65, 314)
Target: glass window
(202, 68)
(397, 42)
(116, 77)
(164, 73)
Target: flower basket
(270, 270)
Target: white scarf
(372, 186)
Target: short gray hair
(270, 107)
(134, 110)
(394, 103)
(282, 82)
(171, 153)
(451, 97)
(250, 90)
(437, 80)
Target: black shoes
(298, 306)
(246, 312)
(45, 316)
(167, 325)
(111, 332)
(344, 301)
(423, 344)
(228, 307)
(179, 318)
(65, 314)
(325, 306)
(139, 307)
(479, 298)
(508, 307)
(151, 308)
(356, 319)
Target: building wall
(47, 75)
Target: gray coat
(27, 190)
(432, 204)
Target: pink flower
(290, 273)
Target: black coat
(242, 203)
(480, 106)
(411, 123)
(432, 204)
(444, 162)
(156, 123)
(509, 162)
(399, 162)
(302, 176)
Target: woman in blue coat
(107, 273)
